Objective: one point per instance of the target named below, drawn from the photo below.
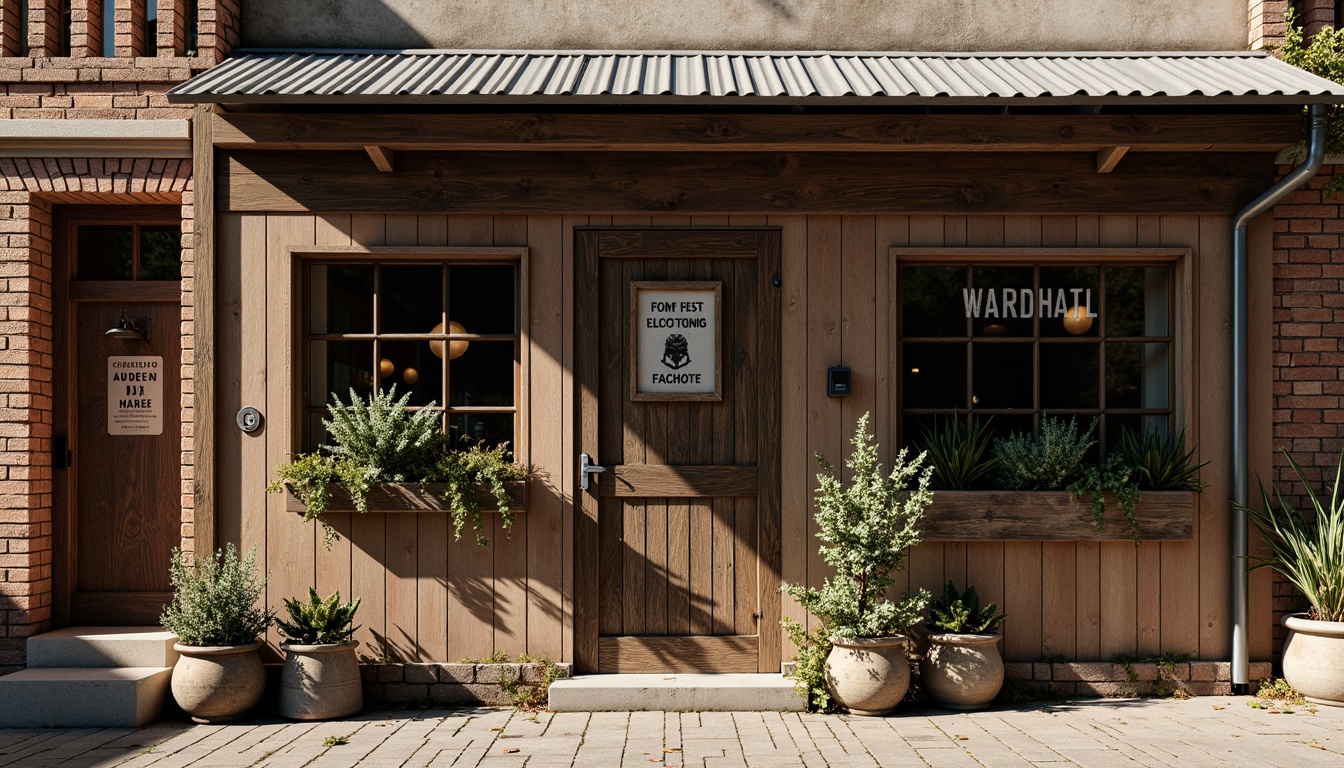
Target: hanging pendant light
(127, 328)
(456, 347)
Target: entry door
(118, 476)
(677, 548)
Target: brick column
(86, 28)
(1266, 23)
(130, 28)
(220, 27)
(45, 35)
(25, 417)
(172, 29)
(12, 28)
(1314, 15)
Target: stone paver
(1209, 731)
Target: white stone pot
(868, 676)
(320, 682)
(216, 684)
(962, 672)
(1313, 659)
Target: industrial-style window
(1019, 342)
(447, 331)
(128, 252)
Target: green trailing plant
(318, 621)
(960, 613)
(868, 526)
(1323, 56)
(809, 673)
(1114, 476)
(1308, 550)
(1046, 462)
(381, 440)
(216, 599)
(1160, 462)
(960, 454)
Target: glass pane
(1137, 301)
(1003, 376)
(410, 299)
(483, 375)
(317, 434)
(336, 367)
(160, 253)
(490, 428)
(1069, 302)
(933, 376)
(1136, 375)
(1069, 375)
(152, 27)
(1001, 301)
(933, 301)
(412, 367)
(105, 253)
(340, 298)
(914, 425)
(1002, 425)
(1119, 423)
(480, 298)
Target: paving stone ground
(1205, 731)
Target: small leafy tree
(1323, 56)
(867, 526)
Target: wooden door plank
(702, 567)
(290, 540)
(1022, 595)
(770, 422)
(658, 445)
(723, 578)
(720, 654)
(795, 462)
(647, 480)
(1059, 607)
(587, 368)
(636, 437)
(255, 472)
(612, 418)
(229, 491)
(746, 435)
(655, 571)
(565, 481)
(1215, 393)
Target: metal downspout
(1241, 661)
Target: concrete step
(102, 647)
(83, 697)
(675, 693)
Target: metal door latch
(587, 469)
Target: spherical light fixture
(995, 329)
(1077, 321)
(410, 376)
(386, 368)
(456, 347)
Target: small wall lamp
(127, 328)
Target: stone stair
(90, 677)
(675, 693)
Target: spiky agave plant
(319, 622)
(1160, 462)
(959, 453)
(960, 613)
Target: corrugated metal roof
(322, 76)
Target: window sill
(410, 497)
(1054, 516)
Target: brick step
(102, 647)
(675, 693)
(83, 697)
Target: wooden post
(203, 295)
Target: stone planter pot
(1313, 659)
(320, 682)
(216, 684)
(868, 676)
(962, 672)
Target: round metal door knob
(249, 419)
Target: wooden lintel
(381, 156)
(1109, 157)
(783, 133)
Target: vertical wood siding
(428, 598)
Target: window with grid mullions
(1012, 343)
(447, 332)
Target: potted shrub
(963, 668)
(379, 441)
(867, 525)
(320, 679)
(216, 618)
(1309, 552)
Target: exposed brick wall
(1308, 348)
(1314, 15)
(1265, 19)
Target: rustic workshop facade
(1009, 235)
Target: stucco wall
(917, 25)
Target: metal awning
(741, 78)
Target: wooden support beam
(1109, 157)
(783, 133)
(382, 157)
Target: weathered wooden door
(678, 541)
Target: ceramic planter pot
(216, 684)
(320, 682)
(962, 672)
(868, 676)
(1313, 659)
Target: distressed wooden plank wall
(427, 598)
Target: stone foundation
(1109, 680)
(451, 685)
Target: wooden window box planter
(409, 497)
(1054, 516)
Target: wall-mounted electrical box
(838, 382)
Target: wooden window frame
(302, 258)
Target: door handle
(587, 469)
